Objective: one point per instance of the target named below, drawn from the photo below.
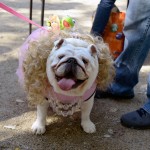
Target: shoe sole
(109, 95)
(133, 127)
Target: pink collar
(70, 99)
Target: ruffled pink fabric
(72, 99)
(34, 36)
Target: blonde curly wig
(34, 65)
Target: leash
(19, 15)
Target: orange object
(113, 34)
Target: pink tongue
(66, 84)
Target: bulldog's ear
(92, 49)
(59, 43)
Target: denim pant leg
(147, 104)
(136, 47)
(102, 16)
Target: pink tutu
(34, 36)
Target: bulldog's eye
(61, 56)
(85, 61)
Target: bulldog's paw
(88, 127)
(38, 128)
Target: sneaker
(139, 119)
(107, 94)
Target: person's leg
(139, 119)
(136, 48)
(102, 16)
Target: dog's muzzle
(70, 79)
(71, 68)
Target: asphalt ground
(16, 117)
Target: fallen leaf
(19, 101)
(13, 127)
(113, 109)
(107, 136)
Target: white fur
(77, 49)
(88, 126)
(38, 126)
(69, 50)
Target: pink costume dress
(56, 100)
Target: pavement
(16, 117)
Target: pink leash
(12, 11)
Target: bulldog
(63, 75)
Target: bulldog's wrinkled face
(72, 66)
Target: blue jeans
(136, 48)
(147, 104)
(102, 16)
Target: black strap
(91, 95)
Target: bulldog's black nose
(72, 60)
(71, 67)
